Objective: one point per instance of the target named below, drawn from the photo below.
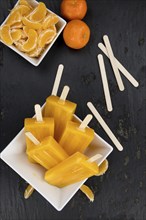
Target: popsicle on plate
(74, 169)
(77, 137)
(39, 127)
(47, 153)
(61, 110)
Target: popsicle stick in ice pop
(123, 70)
(40, 127)
(113, 63)
(57, 79)
(38, 113)
(64, 93)
(75, 168)
(76, 137)
(61, 110)
(105, 83)
(32, 138)
(105, 126)
(47, 153)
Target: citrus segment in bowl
(17, 25)
(5, 35)
(36, 52)
(25, 2)
(46, 36)
(31, 42)
(50, 20)
(31, 24)
(14, 17)
(22, 9)
(16, 34)
(38, 13)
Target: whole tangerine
(73, 9)
(76, 34)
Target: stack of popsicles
(57, 143)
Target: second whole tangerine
(76, 34)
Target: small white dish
(36, 61)
(14, 155)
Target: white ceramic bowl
(14, 155)
(36, 61)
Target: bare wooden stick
(57, 79)
(38, 113)
(94, 158)
(64, 93)
(32, 138)
(125, 72)
(105, 126)
(113, 63)
(105, 83)
(86, 121)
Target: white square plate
(14, 155)
(36, 61)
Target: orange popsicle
(39, 127)
(74, 169)
(47, 153)
(77, 137)
(61, 110)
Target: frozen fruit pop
(77, 137)
(39, 127)
(47, 153)
(58, 107)
(74, 169)
(61, 110)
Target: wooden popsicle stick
(38, 113)
(125, 72)
(28, 191)
(113, 63)
(57, 79)
(105, 126)
(105, 83)
(32, 138)
(94, 158)
(86, 121)
(64, 93)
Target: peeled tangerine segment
(5, 35)
(38, 13)
(16, 34)
(31, 42)
(45, 37)
(24, 2)
(14, 17)
(17, 25)
(61, 111)
(50, 20)
(39, 129)
(74, 169)
(22, 9)
(48, 153)
(75, 139)
(31, 24)
(36, 52)
(88, 192)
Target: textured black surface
(121, 193)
